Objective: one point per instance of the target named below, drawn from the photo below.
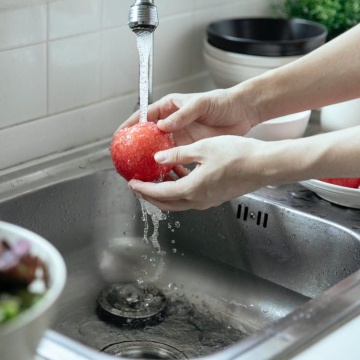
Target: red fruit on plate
(346, 182)
(132, 150)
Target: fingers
(165, 191)
(181, 171)
(161, 109)
(180, 155)
(170, 195)
(185, 115)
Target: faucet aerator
(143, 16)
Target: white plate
(339, 195)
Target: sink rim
(289, 335)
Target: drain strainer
(133, 304)
(144, 350)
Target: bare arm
(229, 166)
(328, 75)
(334, 154)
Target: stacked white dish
(238, 49)
(229, 69)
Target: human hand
(192, 117)
(226, 167)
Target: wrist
(262, 97)
(292, 160)
(327, 155)
(245, 95)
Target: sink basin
(259, 277)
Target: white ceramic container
(340, 116)
(291, 126)
(229, 69)
(20, 337)
(269, 62)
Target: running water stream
(144, 44)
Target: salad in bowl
(32, 277)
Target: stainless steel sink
(260, 277)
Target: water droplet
(172, 286)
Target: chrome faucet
(143, 16)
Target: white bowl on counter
(229, 69)
(291, 126)
(269, 62)
(20, 336)
(226, 75)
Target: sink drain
(132, 304)
(144, 350)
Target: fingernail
(160, 156)
(167, 122)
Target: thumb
(181, 118)
(180, 155)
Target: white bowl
(335, 194)
(20, 337)
(340, 116)
(269, 62)
(228, 69)
(291, 126)
(227, 75)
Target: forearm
(334, 154)
(327, 75)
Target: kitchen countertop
(343, 342)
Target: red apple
(132, 150)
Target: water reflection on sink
(229, 274)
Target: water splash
(144, 41)
(156, 215)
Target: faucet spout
(143, 16)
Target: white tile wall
(119, 52)
(115, 12)
(22, 85)
(69, 17)
(69, 69)
(73, 72)
(22, 27)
